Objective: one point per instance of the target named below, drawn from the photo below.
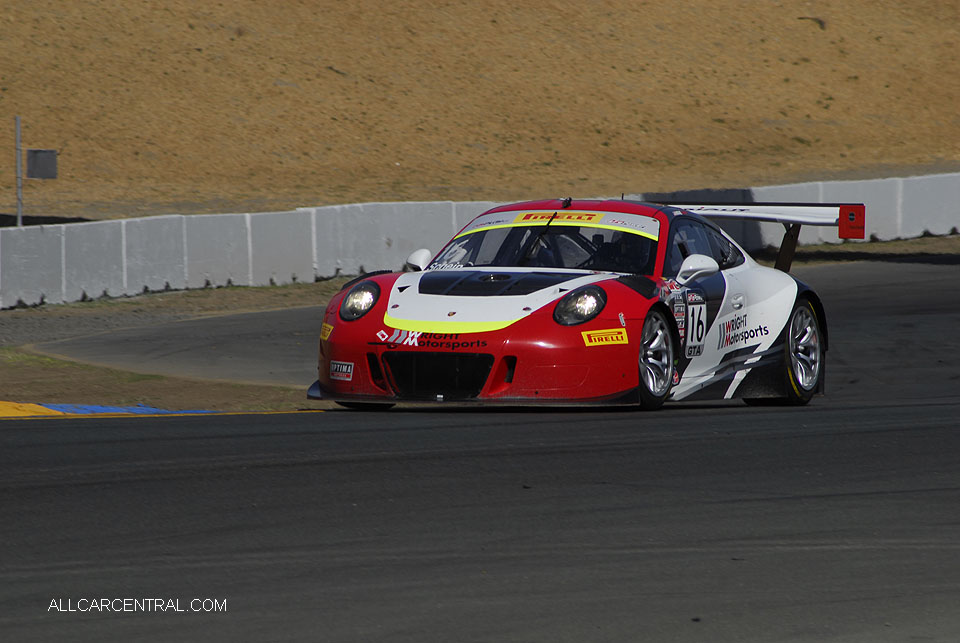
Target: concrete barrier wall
(93, 260)
(154, 254)
(361, 237)
(281, 248)
(929, 204)
(217, 250)
(69, 262)
(31, 265)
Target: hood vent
(476, 283)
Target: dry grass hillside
(245, 105)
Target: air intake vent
(423, 376)
(489, 284)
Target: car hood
(477, 300)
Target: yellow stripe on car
(602, 226)
(446, 327)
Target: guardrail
(77, 261)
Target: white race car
(568, 301)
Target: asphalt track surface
(838, 521)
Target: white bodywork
(756, 305)
(409, 309)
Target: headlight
(580, 305)
(359, 300)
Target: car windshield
(550, 246)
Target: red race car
(564, 301)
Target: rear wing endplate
(850, 218)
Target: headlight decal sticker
(325, 331)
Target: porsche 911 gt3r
(566, 301)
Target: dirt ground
(202, 106)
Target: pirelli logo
(585, 217)
(605, 337)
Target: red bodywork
(533, 359)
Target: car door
(744, 309)
(699, 300)
(749, 321)
(705, 302)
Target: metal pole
(19, 177)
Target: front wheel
(656, 361)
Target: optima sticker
(605, 337)
(342, 371)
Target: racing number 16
(698, 323)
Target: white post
(19, 177)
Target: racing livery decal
(734, 331)
(342, 371)
(449, 341)
(325, 331)
(586, 217)
(605, 337)
(397, 338)
(697, 328)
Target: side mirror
(418, 260)
(695, 267)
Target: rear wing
(848, 217)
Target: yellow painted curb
(21, 409)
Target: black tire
(804, 359)
(656, 360)
(366, 406)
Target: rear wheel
(656, 361)
(804, 358)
